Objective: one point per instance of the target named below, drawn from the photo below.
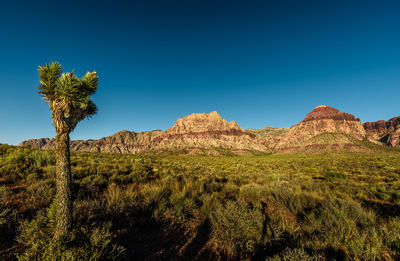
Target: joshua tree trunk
(69, 102)
(63, 170)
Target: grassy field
(273, 207)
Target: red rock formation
(191, 133)
(323, 119)
(384, 131)
(202, 131)
(326, 112)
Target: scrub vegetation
(270, 207)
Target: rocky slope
(50, 143)
(323, 129)
(197, 133)
(120, 142)
(210, 132)
(323, 119)
(387, 132)
(269, 136)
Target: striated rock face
(191, 134)
(127, 142)
(201, 123)
(322, 112)
(121, 142)
(43, 143)
(384, 131)
(202, 130)
(323, 129)
(269, 136)
(323, 119)
(50, 143)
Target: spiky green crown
(67, 88)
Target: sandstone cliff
(323, 119)
(208, 131)
(387, 132)
(323, 129)
(197, 133)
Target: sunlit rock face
(323, 119)
(191, 134)
(208, 133)
(209, 130)
(384, 131)
(322, 112)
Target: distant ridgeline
(324, 129)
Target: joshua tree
(69, 101)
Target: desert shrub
(88, 211)
(95, 180)
(50, 171)
(4, 210)
(118, 198)
(310, 170)
(345, 227)
(209, 202)
(251, 193)
(17, 164)
(19, 156)
(294, 201)
(152, 194)
(236, 228)
(36, 236)
(297, 254)
(143, 169)
(391, 234)
(330, 174)
(180, 206)
(43, 158)
(230, 190)
(41, 193)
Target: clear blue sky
(256, 62)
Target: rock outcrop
(323, 129)
(323, 119)
(208, 131)
(50, 143)
(196, 133)
(202, 123)
(323, 112)
(121, 142)
(387, 132)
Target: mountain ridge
(208, 131)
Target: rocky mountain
(198, 133)
(210, 132)
(120, 142)
(50, 143)
(323, 119)
(387, 132)
(269, 136)
(323, 129)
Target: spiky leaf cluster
(67, 95)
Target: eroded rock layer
(323, 119)
(324, 128)
(384, 131)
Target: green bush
(344, 226)
(41, 193)
(236, 228)
(297, 254)
(4, 210)
(43, 158)
(36, 236)
(143, 169)
(335, 174)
